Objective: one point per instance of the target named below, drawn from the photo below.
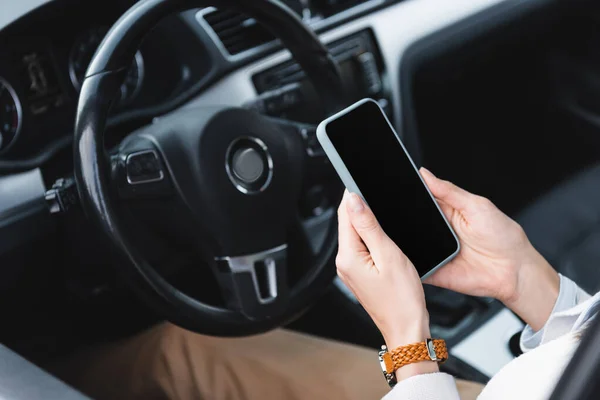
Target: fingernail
(355, 203)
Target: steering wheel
(224, 180)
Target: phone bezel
(351, 185)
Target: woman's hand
(496, 258)
(383, 279)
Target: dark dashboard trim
(450, 38)
(45, 155)
(23, 212)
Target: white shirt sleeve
(569, 296)
(436, 386)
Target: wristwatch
(429, 350)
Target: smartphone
(372, 162)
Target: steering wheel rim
(93, 165)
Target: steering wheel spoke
(308, 133)
(256, 284)
(311, 144)
(318, 167)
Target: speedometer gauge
(81, 56)
(10, 115)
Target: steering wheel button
(143, 167)
(248, 165)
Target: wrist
(417, 330)
(536, 291)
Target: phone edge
(348, 180)
(332, 153)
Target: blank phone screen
(391, 186)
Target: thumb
(366, 225)
(447, 192)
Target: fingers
(365, 224)
(347, 236)
(350, 244)
(447, 192)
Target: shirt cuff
(435, 386)
(569, 296)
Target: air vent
(237, 32)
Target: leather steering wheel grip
(93, 170)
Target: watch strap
(429, 350)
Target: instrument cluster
(31, 89)
(41, 77)
(11, 115)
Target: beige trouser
(168, 362)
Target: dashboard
(45, 57)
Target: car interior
(127, 128)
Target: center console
(285, 92)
